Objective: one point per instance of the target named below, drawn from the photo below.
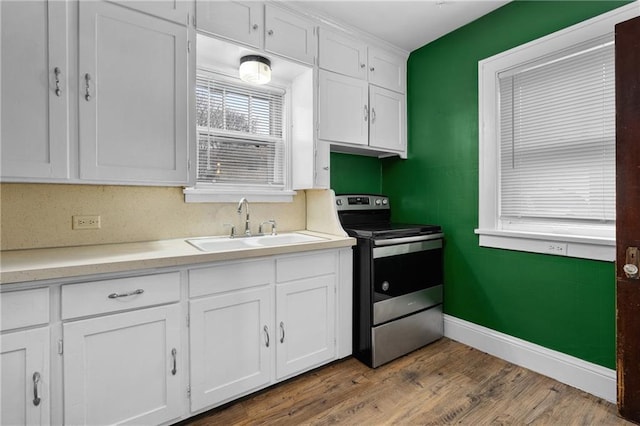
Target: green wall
(565, 304)
(355, 174)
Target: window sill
(560, 245)
(199, 195)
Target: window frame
(565, 240)
(202, 192)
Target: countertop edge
(18, 269)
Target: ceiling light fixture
(255, 69)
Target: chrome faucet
(243, 201)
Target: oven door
(407, 276)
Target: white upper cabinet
(133, 96)
(387, 69)
(342, 54)
(34, 138)
(290, 35)
(241, 21)
(343, 109)
(173, 10)
(387, 128)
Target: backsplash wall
(40, 215)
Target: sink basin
(240, 243)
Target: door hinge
(189, 46)
(188, 320)
(188, 391)
(60, 347)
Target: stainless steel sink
(210, 244)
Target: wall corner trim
(586, 376)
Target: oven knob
(385, 201)
(378, 201)
(339, 202)
(385, 285)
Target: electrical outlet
(85, 222)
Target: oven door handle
(392, 241)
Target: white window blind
(240, 134)
(557, 136)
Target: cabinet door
(342, 54)
(289, 35)
(387, 128)
(240, 21)
(24, 377)
(231, 345)
(387, 70)
(124, 368)
(343, 109)
(173, 10)
(305, 322)
(33, 118)
(133, 96)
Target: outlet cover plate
(86, 222)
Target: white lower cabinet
(24, 368)
(123, 368)
(231, 345)
(306, 324)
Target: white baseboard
(589, 377)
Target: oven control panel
(362, 202)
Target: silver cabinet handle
(174, 354)
(373, 115)
(282, 329)
(57, 73)
(266, 336)
(325, 168)
(270, 32)
(366, 113)
(36, 380)
(362, 65)
(372, 69)
(255, 26)
(87, 93)
(130, 293)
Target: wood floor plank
(443, 383)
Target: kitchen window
(241, 142)
(547, 143)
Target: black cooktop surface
(390, 230)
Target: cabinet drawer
(100, 297)
(24, 308)
(218, 279)
(305, 266)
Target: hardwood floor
(443, 383)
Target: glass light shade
(255, 69)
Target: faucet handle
(232, 234)
(268, 222)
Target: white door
(34, 134)
(387, 128)
(231, 340)
(241, 21)
(24, 377)
(387, 69)
(343, 108)
(133, 96)
(305, 322)
(342, 54)
(124, 368)
(289, 35)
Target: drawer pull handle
(131, 293)
(282, 329)
(87, 91)
(266, 336)
(174, 354)
(57, 73)
(36, 380)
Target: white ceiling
(405, 24)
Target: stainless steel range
(398, 280)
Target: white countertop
(50, 263)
